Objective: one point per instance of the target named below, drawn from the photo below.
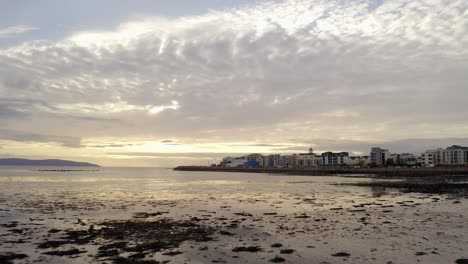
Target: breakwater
(322, 171)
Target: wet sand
(161, 216)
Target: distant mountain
(47, 162)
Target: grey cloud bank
(324, 72)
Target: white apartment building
(432, 157)
(454, 155)
(335, 159)
(379, 156)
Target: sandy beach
(149, 215)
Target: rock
(276, 245)
(172, 253)
(52, 244)
(107, 253)
(287, 251)
(277, 259)
(341, 254)
(139, 255)
(302, 216)
(226, 233)
(70, 252)
(9, 256)
(146, 215)
(243, 214)
(247, 249)
(461, 261)
(122, 260)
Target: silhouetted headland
(47, 162)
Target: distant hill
(47, 162)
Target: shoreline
(324, 171)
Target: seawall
(321, 171)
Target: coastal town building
(309, 159)
(456, 155)
(431, 158)
(233, 162)
(378, 156)
(453, 155)
(271, 160)
(255, 157)
(335, 159)
(403, 159)
(288, 161)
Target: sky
(165, 83)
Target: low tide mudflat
(147, 215)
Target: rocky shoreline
(324, 171)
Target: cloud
(15, 135)
(110, 146)
(15, 31)
(111, 108)
(317, 70)
(198, 155)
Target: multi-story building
(308, 159)
(455, 155)
(404, 159)
(233, 162)
(432, 157)
(256, 157)
(335, 159)
(288, 161)
(378, 156)
(272, 160)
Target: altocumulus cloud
(348, 70)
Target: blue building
(252, 164)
